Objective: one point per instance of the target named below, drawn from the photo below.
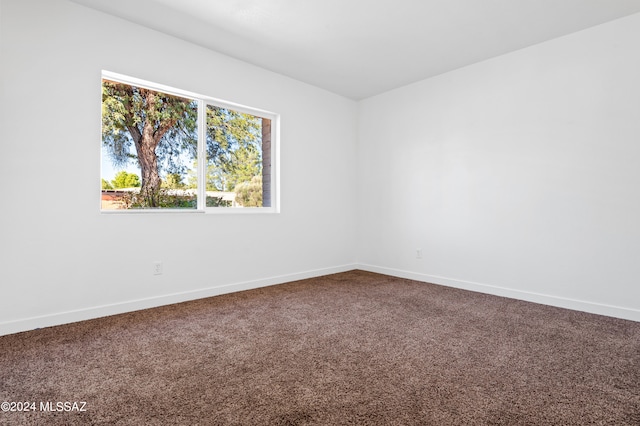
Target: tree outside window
(156, 134)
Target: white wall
(62, 260)
(517, 176)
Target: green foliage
(165, 199)
(217, 202)
(173, 181)
(106, 185)
(249, 194)
(151, 128)
(129, 113)
(234, 148)
(169, 199)
(158, 132)
(124, 179)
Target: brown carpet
(350, 348)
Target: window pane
(238, 159)
(149, 149)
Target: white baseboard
(561, 302)
(32, 323)
(59, 318)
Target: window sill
(213, 211)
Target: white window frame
(203, 101)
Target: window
(166, 149)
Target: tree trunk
(146, 144)
(266, 162)
(149, 169)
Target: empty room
(279, 212)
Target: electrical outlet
(157, 268)
(418, 253)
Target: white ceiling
(359, 48)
